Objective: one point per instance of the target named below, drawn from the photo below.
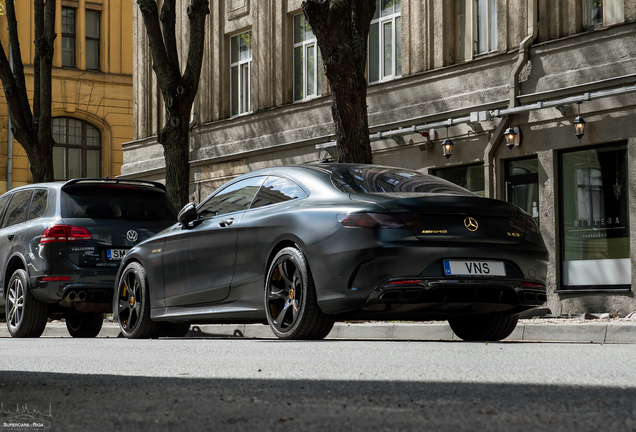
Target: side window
(241, 73)
(470, 177)
(276, 190)
(18, 208)
(68, 37)
(77, 150)
(38, 204)
(603, 12)
(307, 61)
(4, 200)
(233, 198)
(92, 39)
(385, 41)
(476, 28)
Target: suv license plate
(474, 268)
(115, 254)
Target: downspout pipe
(10, 140)
(9, 157)
(522, 60)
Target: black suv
(61, 245)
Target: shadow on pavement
(113, 402)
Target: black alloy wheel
(84, 325)
(131, 304)
(290, 299)
(487, 328)
(26, 315)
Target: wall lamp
(447, 146)
(579, 124)
(513, 137)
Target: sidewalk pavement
(532, 330)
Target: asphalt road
(220, 384)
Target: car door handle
(226, 223)
(10, 237)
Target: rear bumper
(358, 278)
(96, 286)
(442, 299)
(459, 291)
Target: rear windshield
(374, 179)
(116, 203)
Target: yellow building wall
(102, 98)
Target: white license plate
(115, 254)
(474, 268)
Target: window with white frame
(385, 41)
(476, 27)
(241, 73)
(307, 61)
(603, 12)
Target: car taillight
(54, 279)
(532, 285)
(518, 223)
(406, 282)
(62, 233)
(369, 220)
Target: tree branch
(160, 61)
(168, 20)
(17, 76)
(197, 14)
(47, 39)
(362, 15)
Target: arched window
(77, 150)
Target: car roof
(88, 182)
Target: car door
(199, 259)
(269, 218)
(5, 240)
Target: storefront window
(595, 219)
(522, 185)
(470, 177)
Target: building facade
(472, 71)
(92, 89)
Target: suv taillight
(62, 233)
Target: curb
(594, 332)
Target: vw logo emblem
(132, 236)
(471, 224)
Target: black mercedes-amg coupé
(304, 246)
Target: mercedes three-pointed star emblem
(471, 224)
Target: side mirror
(187, 214)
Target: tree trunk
(175, 138)
(41, 161)
(342, 30)
(178, 90)
(32, 129)
(349, 111)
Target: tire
(26, 315)
(487, 328)
(86, 325)
(131, 304)
(175, 330)
(290, 299)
